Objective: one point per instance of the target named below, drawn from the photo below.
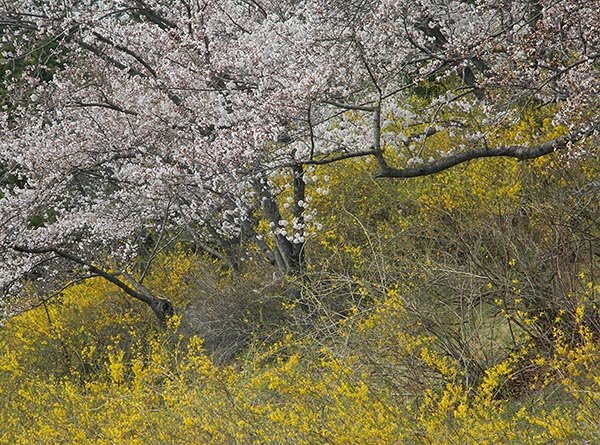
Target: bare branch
(110, 106)
(152, 16)
(519, 152)
(324, 161)
(161, 308)
(349, 106)
(126, 50)
(112, 61)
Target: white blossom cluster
(177, 109)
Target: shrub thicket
(455, 309)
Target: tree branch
(162, 308)
(345, 106)
(151, 15)
(108, 105)
(126, 51)
(519, 152)
(98, 52)
(356, 154)
(17, 21)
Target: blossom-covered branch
(121, 116)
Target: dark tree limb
(519, 152)
(154, 17)
(162, 308)
(331, 160)
(126, 50)
(107, 105)
(347, 106)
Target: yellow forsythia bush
(166, 390)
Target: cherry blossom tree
(127, 123)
